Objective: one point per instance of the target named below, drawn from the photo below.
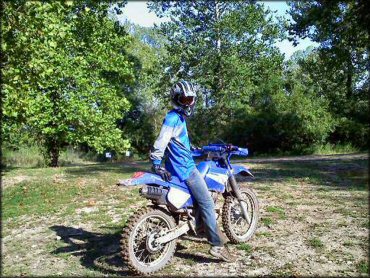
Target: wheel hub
(151, 244)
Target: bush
(333, 149)
(23, 157)
(31, 156)
(289, 123)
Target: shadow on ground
(99, 168)
(97, 251)
(101, 252)
(338, 172)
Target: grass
(24, 157)
(245, 247)
(48, 190)
(328, 148)
(363, 267)
(348, 243)
(31, 157)
(277, 210)
(267, 221)
(264, 234)
(322, 149)
(316, 243)
(41, 203)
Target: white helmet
(183, 97)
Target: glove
(165, 175)
(194, 148)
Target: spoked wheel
(237, 228)
(140, 251)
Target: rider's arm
(163, 139)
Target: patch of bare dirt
(9, 181)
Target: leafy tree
(225, 47)
(340, 65)
(146, 113)
(337, 26)
(64, 74)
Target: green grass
(334, 149)
(264, 234)
(56, 190)
(363, 267)
(277, 210)
(245, 247)
(24, 157)
(316, 243)
(267, 221)
(348, 243)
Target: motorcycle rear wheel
(237, 229)
(138, 248)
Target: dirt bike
(149, 239)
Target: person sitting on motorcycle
(174, 141)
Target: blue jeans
(205, 206)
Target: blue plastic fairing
(242, 170)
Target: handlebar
(224, 148)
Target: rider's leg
(205, 205)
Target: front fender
(143, 178)
(242, 170)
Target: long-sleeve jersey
(173, 141)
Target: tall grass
(32, 157)
(334, 149)
(23, 157)
(323, 149)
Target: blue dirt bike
(149, 238)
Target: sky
(138, 13)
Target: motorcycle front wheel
(138, 247)
(236, 227)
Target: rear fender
(241, 170)
(145, 178)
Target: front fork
(235, 188)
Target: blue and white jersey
(173, 140)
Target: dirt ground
(314, 221)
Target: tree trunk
(349, 77)
(54, 153)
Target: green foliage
(289, 122)
(333, 149)
(31, 156)
(64, 73)
(146, 112)
(23, 157)
(73, 76)
(339, 68)
(225, 47)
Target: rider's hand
(195, 148)
(162, 172)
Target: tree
(64, 74)
(341, 63)
(146, 112)
(294, 119)
(225, 47)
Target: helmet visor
(187, 101)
